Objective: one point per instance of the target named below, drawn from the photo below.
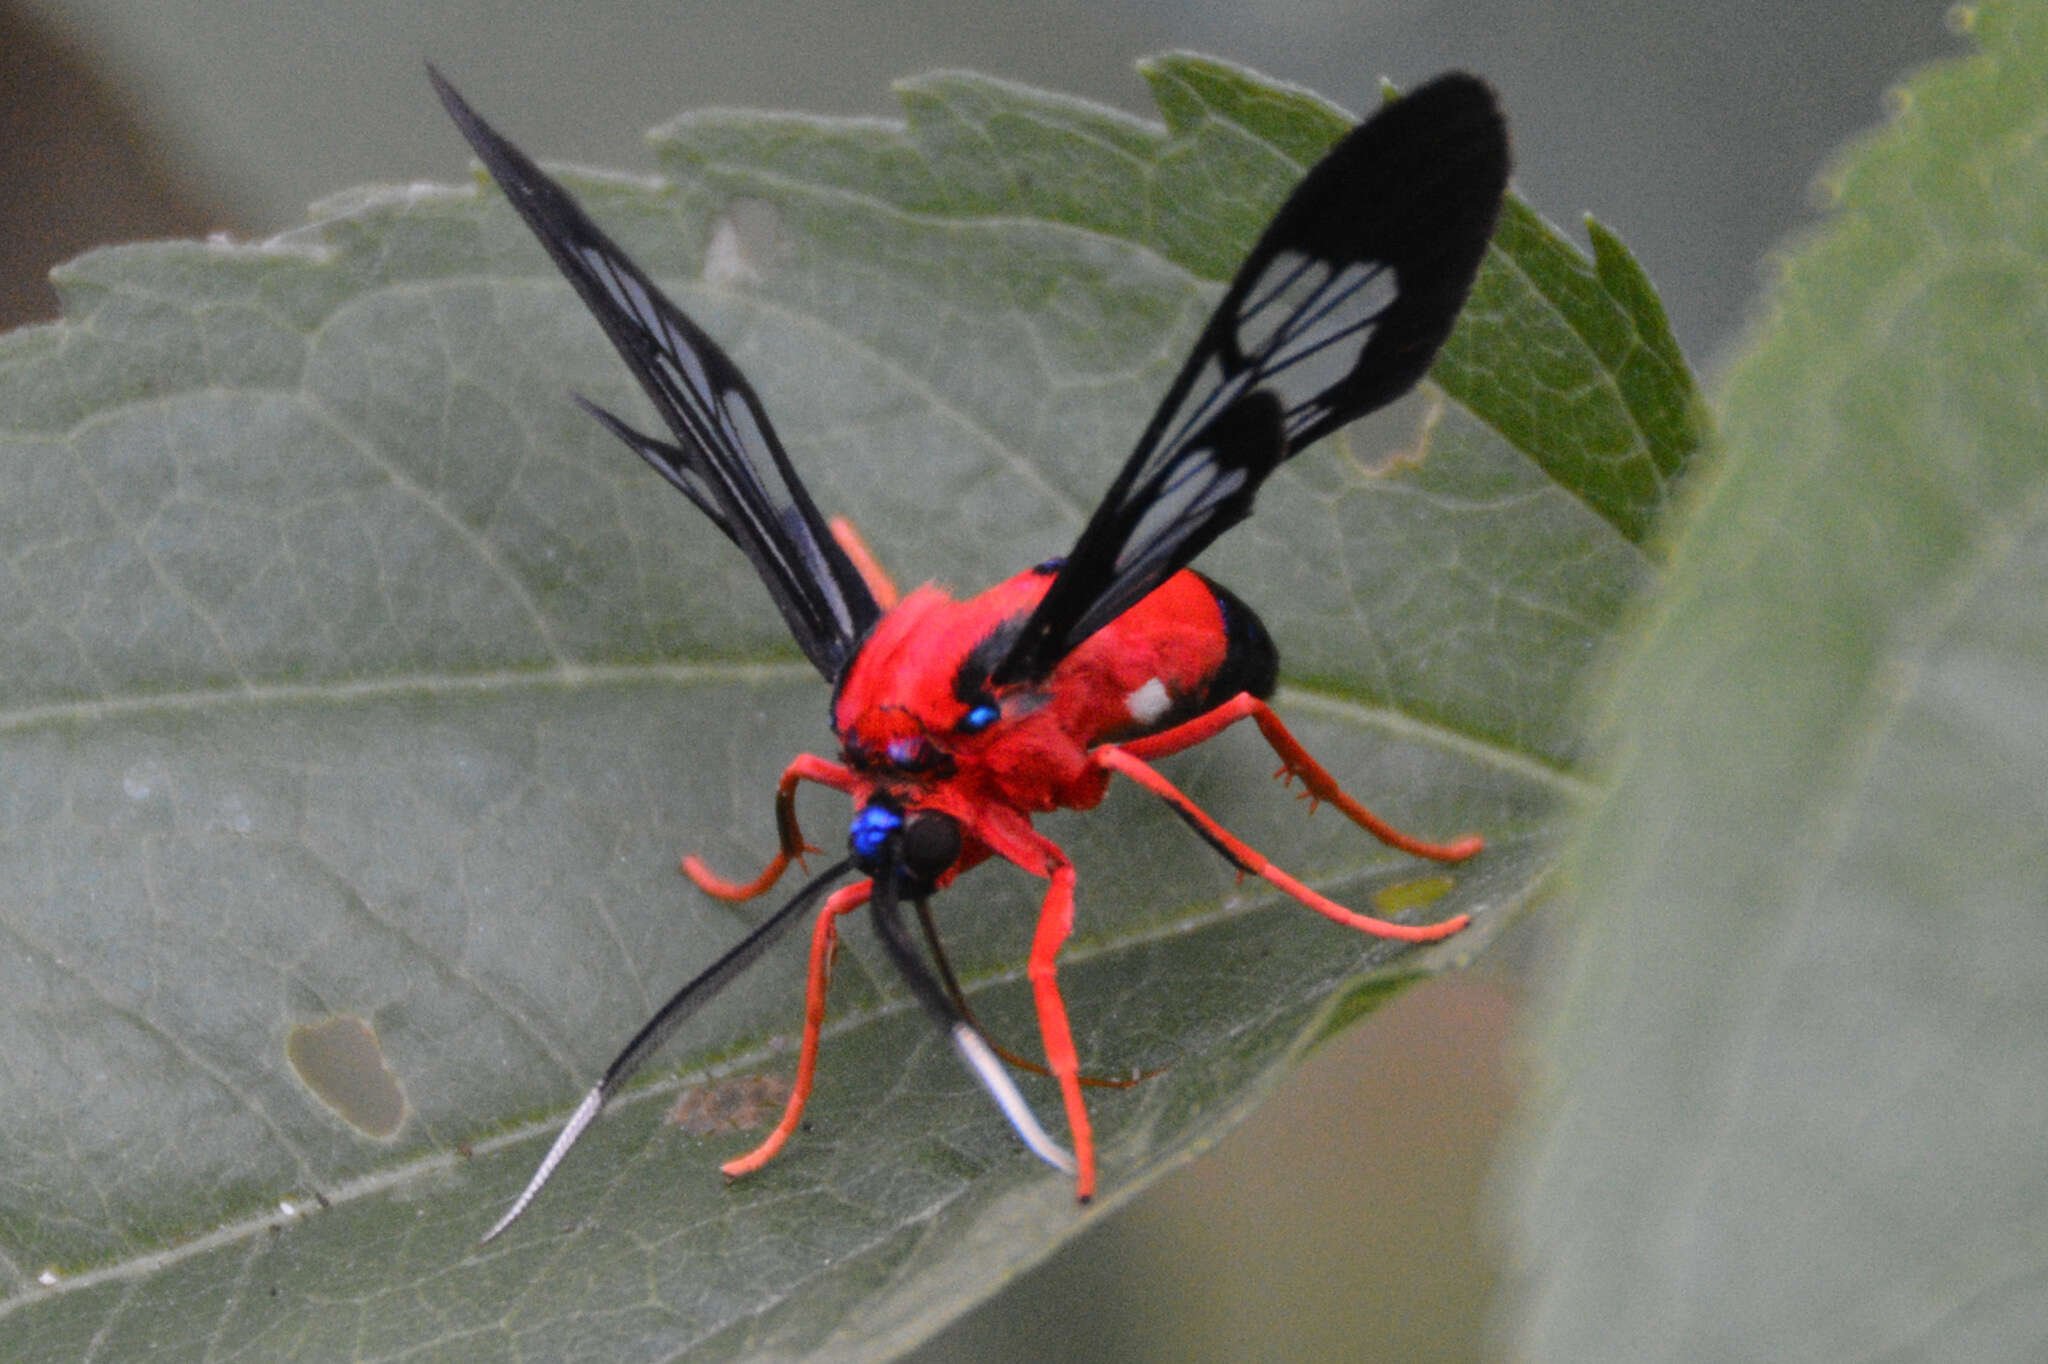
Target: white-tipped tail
(996, 1080)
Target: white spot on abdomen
(1148, 702)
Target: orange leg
(1120, 760)
(880, 585)
(805, 767)
(951, 984)
(1295, 761)
(1055, 924)
(824, 944)
(1040, 856)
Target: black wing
(726, 458)
(1338, 310)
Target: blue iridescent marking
(872, 828)
(980, 718)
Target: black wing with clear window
(1339, 309)
(726, 457)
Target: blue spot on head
(979, 718)
(872, 828)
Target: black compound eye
(931, 844)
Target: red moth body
(945, 768)
(903, 711)
(958, 721)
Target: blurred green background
(1347, 1220)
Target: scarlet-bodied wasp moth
(959, 720)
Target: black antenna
(657, 1030)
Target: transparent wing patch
(1339, 308)
(725, 456)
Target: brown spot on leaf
(342, 1062)
(735, 1104)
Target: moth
(957, 721)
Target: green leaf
(353, 674)
(1801, 1053)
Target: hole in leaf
(341, 1061)
(1401, 441)
(747, 242)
